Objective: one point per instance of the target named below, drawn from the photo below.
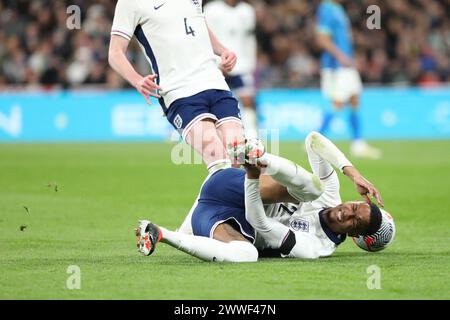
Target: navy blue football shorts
(222, 199)
(219, 105)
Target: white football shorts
(340, 84)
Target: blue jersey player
(340, 80)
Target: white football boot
(247, 151)
(361, 149)
(148, 235)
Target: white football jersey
(175, 39)
(312, 240)
(235, 27)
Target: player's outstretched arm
(118, 61)
(227, 56)
(323, 153)
(363, 186)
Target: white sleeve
(272, 231)
(307, 246)
(322, 156)
(126, 18)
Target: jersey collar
(335, 237)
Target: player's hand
(253, 171)
(365, 188)
(346, 61)
(228, 61)
(146, 87)
(224, 72)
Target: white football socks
(210, 249)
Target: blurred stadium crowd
(411, 48)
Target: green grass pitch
(78, 204)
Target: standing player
(181, 51)
(340, 80)
(234, 23)
(229, 220)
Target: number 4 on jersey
(188, 29)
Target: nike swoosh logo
(157, 7)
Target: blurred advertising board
(386, 113)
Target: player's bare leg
(229, 132)
(226, 233)
(204, 139)
(233, 248)
(338, 105)
(354, 102)
(329, 115)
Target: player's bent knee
(312, 137)
(212, 146)
(315, 190)
(208, 143)
(338, 105)
(312, 189)
(209, 138)
(242, 251)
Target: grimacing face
(352, 218)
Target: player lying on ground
(181, 51)
(290, 212)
